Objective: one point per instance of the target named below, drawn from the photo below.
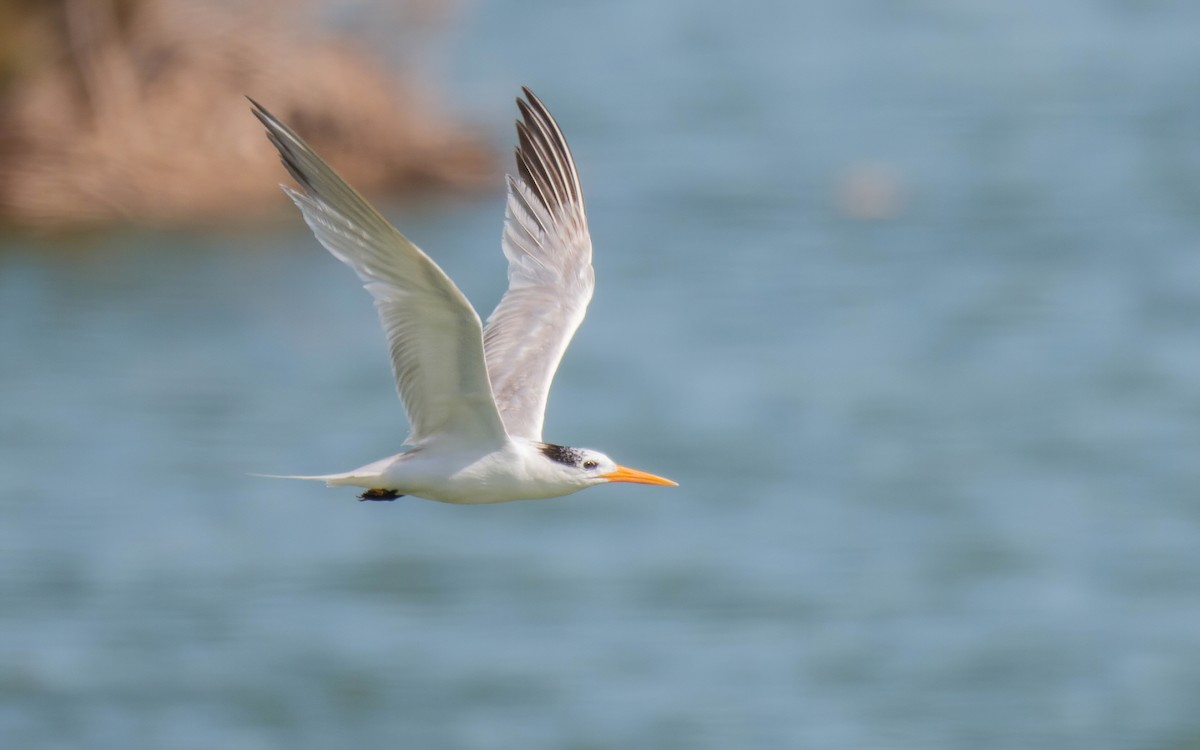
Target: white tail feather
(330, 480)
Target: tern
(475, 396)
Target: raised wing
(433, 333)
(550, 277)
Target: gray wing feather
(434, 335)
(550, 278)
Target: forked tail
(369, 476)
(330, 480)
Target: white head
(582, 467)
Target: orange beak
(623, 474)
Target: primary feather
(434, 335)
(550, 277)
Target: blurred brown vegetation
(132, 112)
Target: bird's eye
(589, 464)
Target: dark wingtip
(258, 109)
(526, 109)
(532, 102)
(263, 114)
(286, 142)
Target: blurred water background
(905, 295)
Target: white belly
(460, 476)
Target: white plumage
(475, 397)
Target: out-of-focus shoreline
(132, 113)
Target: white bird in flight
(475, 396)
